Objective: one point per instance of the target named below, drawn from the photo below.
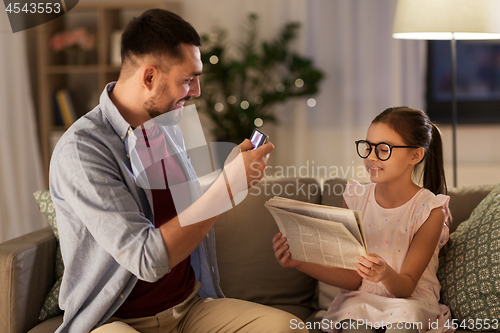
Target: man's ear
(149, 76)
(418, 155)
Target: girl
(395, 286)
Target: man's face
(179, 85)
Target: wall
(478, 154)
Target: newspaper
(320, 234)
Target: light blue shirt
(105, 220)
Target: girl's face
(401, 163)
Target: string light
(219, 107)
(231, 99)
(214, 59)
(244, 105)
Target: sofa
(246, 260)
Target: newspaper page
(319, 235)
(349, 218)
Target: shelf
(81, 69)
(55, 128)
(111, 69)
(72, 69)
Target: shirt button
(129, 132)
(122, 296)
(122, 137)
(128, 155)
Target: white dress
(389, 233)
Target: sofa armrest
(26, 276)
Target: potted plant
(240, 92)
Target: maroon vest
(148, 299)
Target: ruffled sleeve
(426, 206)
(353, 191)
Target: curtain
(20, 162)
(366, 71)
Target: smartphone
(258, 138)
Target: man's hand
(255, 160)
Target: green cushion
(469, 270)
(50, 307)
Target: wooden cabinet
(84, 81)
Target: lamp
(448, 19)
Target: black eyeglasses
(382, 150)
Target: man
(130, 264)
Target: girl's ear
(418, 155)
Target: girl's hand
(281, 252)
(372, 267)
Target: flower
(78, 38)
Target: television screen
(477, 79)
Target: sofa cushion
(333, 190)
(463, 200)
(247, 266)
(469, 269)
(46, 206)
(50, 307)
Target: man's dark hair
(157, 32)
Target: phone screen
(258, 138)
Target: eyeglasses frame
(376, 151)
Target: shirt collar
(119, 124)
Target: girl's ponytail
(434, 177)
